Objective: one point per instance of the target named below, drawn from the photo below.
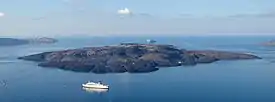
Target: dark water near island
(224, 81)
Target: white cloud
(124, 11)
(2, 14)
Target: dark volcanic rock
(220, 55)
(128, 57)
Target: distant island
(269, 43)
(129, 57)
(14, 42)
(43, 40)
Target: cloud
(137, 15)
(2, 14)
(259, 15)
(124, 11)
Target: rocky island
(43, 40)
(16, 42)
(129, 57)
(12, 42)
(269, 43)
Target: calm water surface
(224, 81)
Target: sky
(136, 17)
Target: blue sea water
(223, 81)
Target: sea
(222, 81)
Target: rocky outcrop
(129, 57)
(209, 56)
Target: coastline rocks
(129, 57)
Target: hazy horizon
(136, 18)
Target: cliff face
(132, 58)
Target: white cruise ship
(97, 85)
